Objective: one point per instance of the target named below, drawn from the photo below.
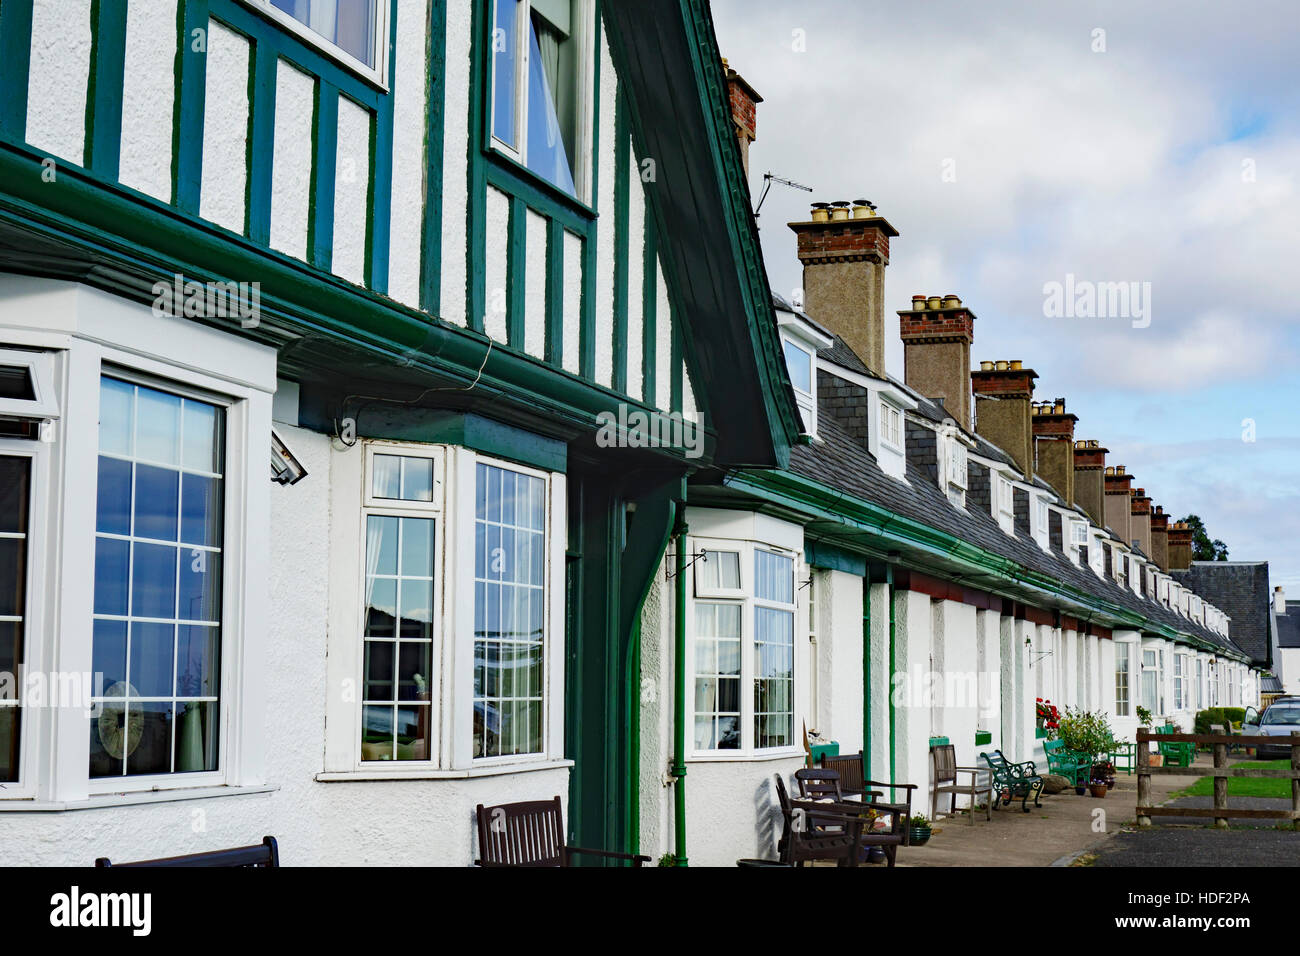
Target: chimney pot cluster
(1083, 444)
(840, 210)
(1054, 407)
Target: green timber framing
(85, 226)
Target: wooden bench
(1074, 765)
(818, 830)
(850, 767)
(263, 855)
(823, 787)
(532, 834)
(1014, 779)
(946, 781)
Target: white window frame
(452, 699)
(376, 75)
(957, 460)
(403, 508)
(1078, 533)
(1123, 655)
(890, 420)
(234, 468)
(584, 36)
(37, 595)
(1180, 687)
(748, 603)
(805, 399)
(40, 372)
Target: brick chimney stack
(1053, 429)
(844, 249)
(1089, 462)
(1140, 520)
(937, 333)
(1117, 502)
(1180, 546)
(1003, 393)
(1160, 538)
(744, 111)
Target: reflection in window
(15, 491)
(348, 24)
(773, 650)
(509, 612)
(157, 596)
(397, 713)
(717, 676)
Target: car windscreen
(1283, 715)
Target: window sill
(106, 800)
(490, 770)
(742, 757)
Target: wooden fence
(1220, 772)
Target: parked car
(1279, 719)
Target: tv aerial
(768, 180)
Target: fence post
(1295, 781)
(1144, 774)
(1220, 786)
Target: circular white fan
(119, 734)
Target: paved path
(1176, 846)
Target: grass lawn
(1246, 786)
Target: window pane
(386, 476)
(14, 491)
(510, 600)
(552, 98)
(348, 24)
(143, 589)
(505, 70)
(719, 571)
(799, 362)
(774, 577)
(402, 478)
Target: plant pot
(918, 836)
(1156, 760)
(1080, 790)
(1098, 789)
(876, 854)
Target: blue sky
(1163, 150)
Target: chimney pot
(839, 210)
(1110, 469)
(986, 366)
(918, 303)
(1015, 365)
(934, 302)
(951, 301)
(862, 209)
(1119, 469)
(821, 211)
(1001, 365)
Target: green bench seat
(1074, 765)
(1013, 780)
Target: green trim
(821, 554)
(103, 148)
(480, 88)
(939, 741)
(622, 199)
(379, 191)
(15, 67)
(893, 669)
(866, 675)
(983, 737)
(677, 364)
(679, 693)
(587, 309)
(446, 427)
(188, 105)
(435, 95)
(324, 176)
(516, 272)
(1039, 733)
(649, 312)
(632, 705)
(261, 141)
(555, 292)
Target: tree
(1205, 548)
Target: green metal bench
(1013, 780)
(1176, 753)
(1074, 765)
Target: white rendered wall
(148, 91)
(409, 131)
(225, 129)
(57, 78)
(839, 658)
(535, 282)
(497, 279)
(291, 160)
(351, 189)
(912, 664)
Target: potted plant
(1098, 788)
(1104, 771)
(918, 830)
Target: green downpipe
(679, 697)
(866, 672)
(893, 717)
(633, 703)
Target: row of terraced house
(562, 500)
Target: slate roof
(1288, 626)
(1239, 589)
(840, 461)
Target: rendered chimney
(1160, 537)
(1002, 409)
(1139, 529)
(1279, 600)
(1180, 546)
(1053, 429)
(744, 111)
(1089, 492)
(936, 352)
(1117, 502)
(844, 254)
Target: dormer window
(1078, 534)
(955, 482)
(1004, 504)
(1040, 526)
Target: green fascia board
(124, 241)
(446, 427)
(830, 557)
(668, 62)
(998, 573)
